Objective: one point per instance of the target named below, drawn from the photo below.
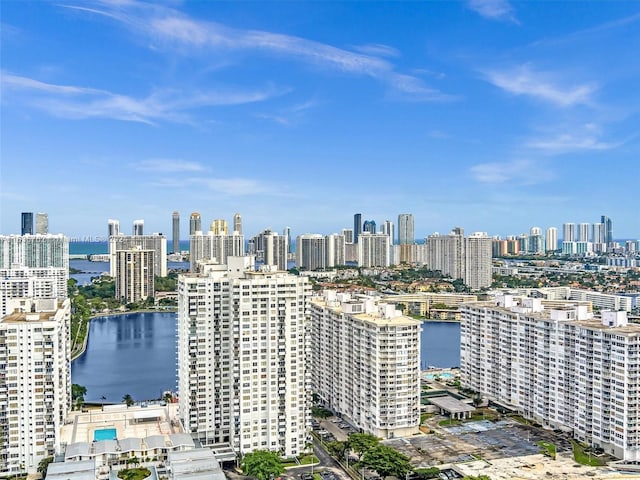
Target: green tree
(362, 442)
(386, 461)
(479, 477)
(128, 399)
(262, 464)
(338, 449)
(425, 473)
(43, 465)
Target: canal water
(135, 354)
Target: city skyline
(492, 115)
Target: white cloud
(68, 101)
(166, 165)
(523, 80)
(566, 142)
(493, 9)
(520, 172)
(171, 27)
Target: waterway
(131, 354)
(135, 354)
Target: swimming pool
(443, 375)
(104, 434)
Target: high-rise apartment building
(287, 234)
(34, 251)
(348, 235)
(584, 229)
(210, 248)
(219, 227)
(374, 250)
(369, 226)
(175, 232)
(275, 251)
(336, 250)
(42, 223)
(138, 228)
(406, 234)
(155, 242)
(388, 228)
(466, 258)
(31, 282)
(536, 241)
(243, 358)
(551, 239)
(237, 223)
(569, 232)
(113, 227)
(195, 223)
(26, 223)
(558, 366)
(366, 366)
(608, 228)
(134, 275)
(35, 386)
(311, 253)
(357, 226)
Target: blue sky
(490, 115)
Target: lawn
(584, 458)
(447, 422)
(548, 448)
(308, 460)
(134, 473)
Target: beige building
(422, 303)
(366, 363)
(134, 277)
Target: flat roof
(451, 405)
(80, 470)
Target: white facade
(558, 367)
(275, 250)
(366, 363)
(373, 250)
(551, 239)
(406, 233)
(467, 258)
(569, 232)
(211, 248)
(155, 242)
(25, 282)
(311, 251)
(35, 387)
(243, 357)
(34, 251)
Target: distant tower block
(42, 223)
(138, 227)
(114, 227)
(237, 223)
(195, 223)
(27, 223)
(175, 224)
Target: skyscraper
(175, 231)
(156, 242)
(219, 227)
(210, 248)
(374, 250)
(114, 227)
(388, 228)
(608, 228)
(287, 234)
(237, 223)
(466, 258)
(366, 362)
(134, 275)
(569, 232)
(406, 235)
(551, 239)
(27, 223)
(348, 235)
(357, 226)
(583, 232)
(195, 223)
(369, 226)
(33, 251)
(536, 241)
(42, 223)
(243, 358)
(138, 227)
(311, 251)
(36, 388)
(275, 250)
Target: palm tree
(128, 399)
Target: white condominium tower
(134, 275)
(366, 363)
(35, 382)
(34, 251)
(156, 242)
(557, 365)
(466, 258)
(315, 251)
(551, 239)
(374, 250)
(243, 357)
(406, 235)
(213, 248)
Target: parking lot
(483, 439)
